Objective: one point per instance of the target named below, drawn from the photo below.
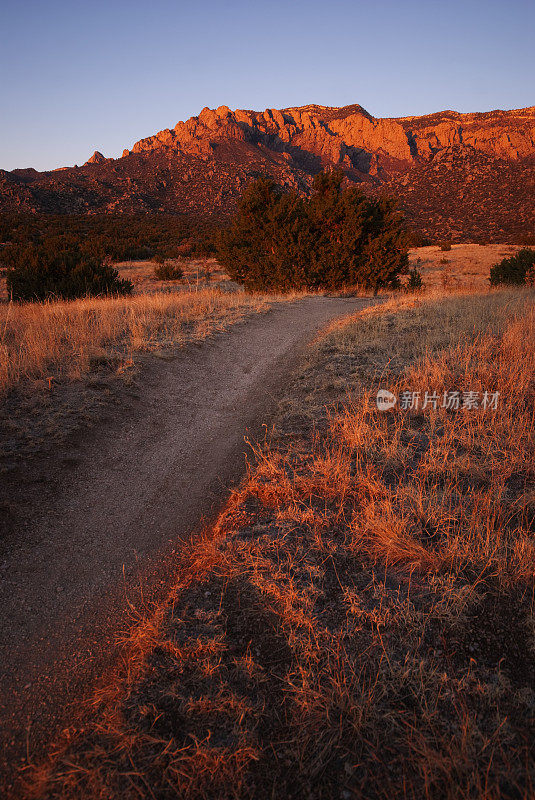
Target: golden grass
(67, 339)
(361, 624)
(199, 273)
(465, 266)
(454, 468)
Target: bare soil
(117, 505)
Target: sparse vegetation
(280, 241)
(517, 270)
(168, 271)
(468, 265)
(360, 624)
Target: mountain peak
(96, 158)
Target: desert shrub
(516, 270)
(415, 283)
(445, 246)
(418, 239)
(189, 248)
(167, 271)
(338, 237)
(39, 272)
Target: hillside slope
(467, 176)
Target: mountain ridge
(454, 172)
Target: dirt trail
(144, 484)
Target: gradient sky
(82, 76)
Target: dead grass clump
(365, 626)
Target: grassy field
(67, 339)
(200, 273)
(46, 341)
(360, 621)
(464, 267)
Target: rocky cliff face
(443, 166)
(501, 134)
(350, 137)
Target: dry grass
(361, 623)
(42, 341)
(465, 266)
(68, 339)
(199, 273)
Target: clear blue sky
(77, 75)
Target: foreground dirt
(107, 544)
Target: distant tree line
(120, 236)
(49, 256)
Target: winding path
(144, 485)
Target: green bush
(167, 271)
(40, 272)
(515, 270)
(415, 282)
(338, 237)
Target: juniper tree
(279, 240)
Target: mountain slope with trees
(465, 176)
